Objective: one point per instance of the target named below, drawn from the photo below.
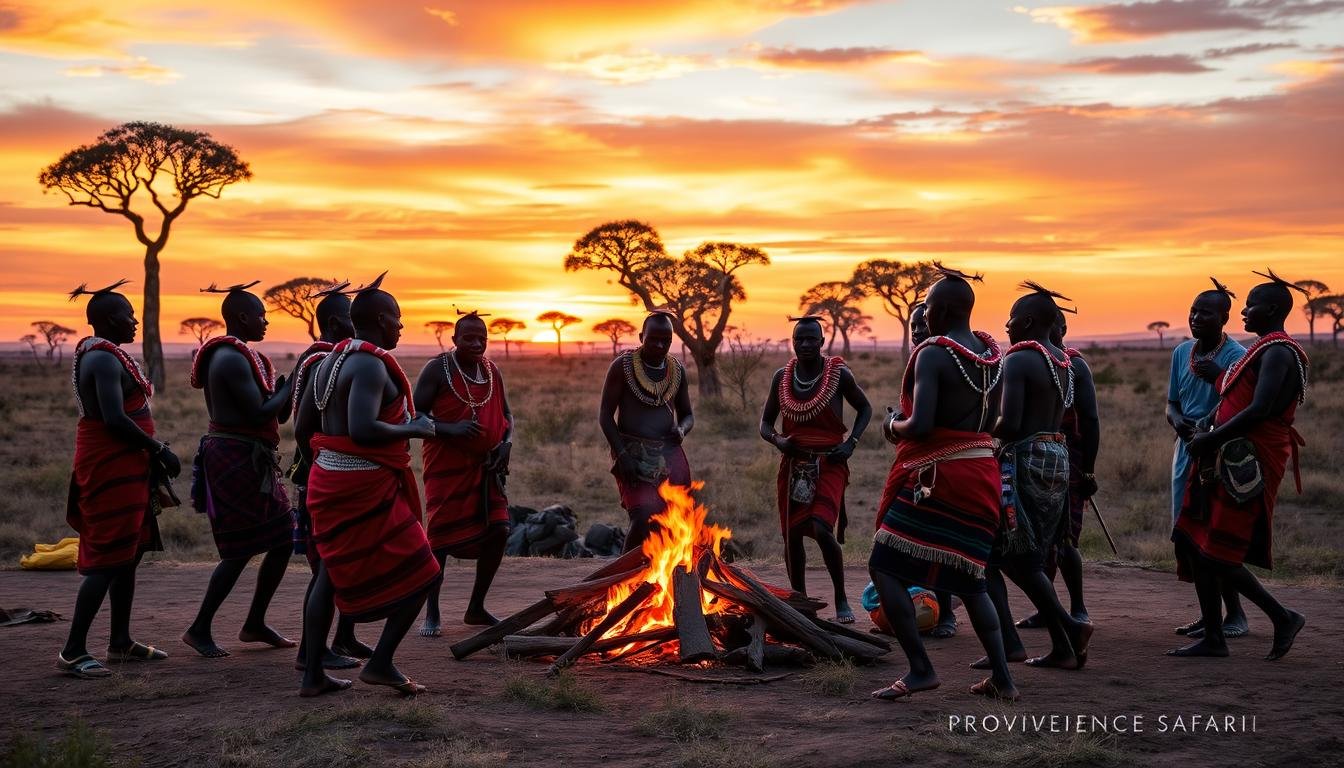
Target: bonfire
(676, 600)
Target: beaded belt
(335, 461)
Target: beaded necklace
(646, 390)
(90, 343)
(1205, 358)
(261, 365)
(1065, 393)
(488, 379)
(1277, 337)
(990, 363)
(803, 410)
(344, 349)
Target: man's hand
(281, 382)
(421, 426)
(1202, 444)
(169, 461)
(676, 436)
(1185, 429)
(499, 458)
(1207, 370)
(841, 452)
(1088, 486)
(784, 445)
(461, 429)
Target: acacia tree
(200, 327)
(1333, 307)
(1160, 328)
(139, 157)
(55, 335)
(743, 360)
(899, 286)
(295, 298)
(438, 328)
(698, 289)
(31, 340)
(502, 327)
(615, 329)
(1314, 289)
(838, 303)
(559, 321)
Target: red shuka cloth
(366, 523)
(263, 372)
(1229, 532)
(462, 502)
(109, 500)
(819, 434)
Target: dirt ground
(190, 711)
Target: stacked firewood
(754, 624)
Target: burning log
(531, 646)
(755, 660)
(785, 621)
(851, 633)
(613, 617)
(692, 632)
(590, 589)
(776, 655)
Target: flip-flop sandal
(844, 617)
(1031, 622)
(1186, 629)
(85, 667)
(899, 690)
(136, 652)
(1231, 632)
(409, 689)
(988, 689)
(944, 631)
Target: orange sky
(1119, 153)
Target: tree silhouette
(1314, 289)
(200, 327)
(502, 327)
(1160, 328)
(55, 335)
(295, 298)
(559, 321)
(900, 286)
(838, 303)
(130, 159)
(615, 329)
(743, 360)
(438, 328)
(31, 340)
(1332, 306)
(698, 289)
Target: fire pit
(675, 600)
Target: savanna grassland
(559, 457)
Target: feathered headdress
(1223, 289)
(801, 318)
(83, 289)
(473, 313)
(958, 274)
(377, 284)
(1273, 278)
(1035, 287)
(212, 288)
(331, 290)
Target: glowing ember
(681, 536)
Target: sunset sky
(1117, 152)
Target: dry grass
(564, 692)
(561, 458)
(80, 747)
(681, 719)
(831, 678)
(718, 755)
(1013, 749)
(146, 687)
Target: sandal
(85, 667)
(988, 689)
(135, 652)
(899, 690)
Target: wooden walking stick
(1104, 529)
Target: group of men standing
(995, 452)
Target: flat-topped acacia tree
(138, 169)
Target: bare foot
(1055, 659)
(1013, 658)
(431, 629)
(1285, 634)
(990, 689)
(352, 648)
(266, 635)
(330, 660)
(479, 618)
(204, 645)
(1201, 647)
(396, 681)
(329, 685)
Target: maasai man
(236, 477)
(465, 465)
(645, 415)
(1227, 519)
(939, 512)
(1038, 386)
(333, 319)
(810, 391)
(114, 490)
(1192, 394)
(1082, 435)
(362, 495)
(947, 617)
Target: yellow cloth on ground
(61, 556)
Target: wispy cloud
(1172, 64)
(1134, 21)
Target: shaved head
(1275, 294)
(239, 302)
(656, 319)
(368, 305)
(332, 306)
(103, 306)
(1219, 299)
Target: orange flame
(678, 540)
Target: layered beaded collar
(90, 343)
(646, 390)
(803, 410)
(1065, 390)
(1269, 339)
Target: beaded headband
(83, 289)
(212, 288)
(1273, 278)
